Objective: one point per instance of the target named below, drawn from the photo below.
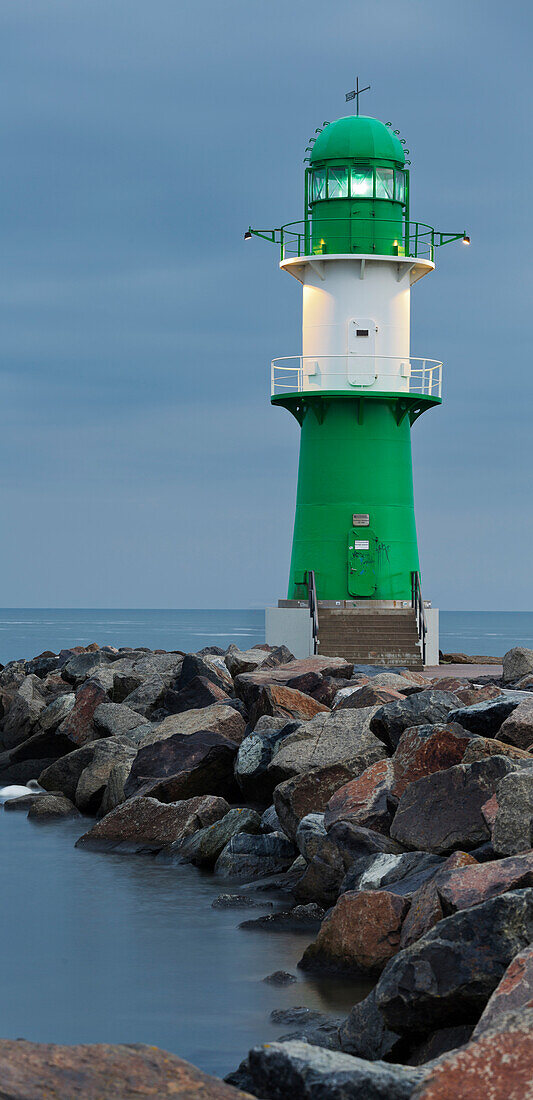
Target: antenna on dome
(356, 93)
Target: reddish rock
(470, 695)
(198, 692)
(283, 702)
(78, 726)
(423, 750)
(307, 794)
(145, 824)
(360, 934)
(183, 766)
(426, 907)
(489, 811)
(468, 886)
(481, 747)
(328, 688)
(365, 801)
(247, 684)
(497, 1066)
(517, 729)
(449, 683)
(514, 993)
(370, 696)
(38, 1071)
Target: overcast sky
(141, 464)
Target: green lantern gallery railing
(356, 373)
(356, 235)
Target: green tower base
(355, 522)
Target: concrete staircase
(387, 637)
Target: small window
(319, 184)
(361, 184)
(361, 332)
(337, 183)
(399, 185)
(384, 183)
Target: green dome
(357, 136)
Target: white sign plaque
(361, 544)
(361, 519)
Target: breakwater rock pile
(394, 813)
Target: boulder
(517, 729)
(423, 708)
(206, 668)
(78, 727)
(399, 874)
(197, 693)
(423, 750)
(301, 918)
(360, 934)
(480, 747)
(63, 774)
(53, 714)
(250, 857)
(22, 708)
(513, 994)
(470, 694)
(340, 737)
(49, 806)
(366, 800)
(146, 825)
(255, 753)
(517, 662)
(305, 1072)
(369, 696)
(184, 765)
(328, 690)
(279, 701)
(406, 683)
(114, 794)
(426, 905)
(451, 971)
(93, 780)
(204, 847)
(83, 666)
(123, 1072)
(248, 684)
(347, 848)
(495, 1065)
(467, 886)
(310, 835)
(322, 878)
(487, 718)
(513, 826)
(240, 661)
(280, 977)
(442, 812)
(147, 697)
(365, 1033)
(270, 822)
(219, 718)
(117, 720)
(310, 793)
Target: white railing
(349, 373)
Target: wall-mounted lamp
(248, 235)
(466, 239)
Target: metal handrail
(417, 604)
(415, 239)
(313, 606)
(314, 373)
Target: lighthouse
(356, 392)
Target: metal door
(362, 563)
(361, 360)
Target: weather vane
(356, 93)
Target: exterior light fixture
(466, 239)
(248, 235)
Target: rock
(328, 689)
(369, 696)
(279, 701)
(305, 1072)
(239, 901)
(219, 718)
(63, 775)
(279, 656)
(280, 977)
(198, 692)
(195, 666)
(421, 709)
(270, 822)
(114, 794)
(404, 684)
(364, 1032)
(42, 665)
(310, 835)
(486, 718)
(22, 710)
(78, 727)
(366, 800)
(441, 812)
(256, 752)
(147, 697)
(117, 720)
(146, 825)
(123, 1072)
(360, 934)
(183, 766)
(399, 874)
(423, 750)
(92, 783)
(52, 715)
(517, 729)
(473, 885)
(451, 971)
(513, 827)
(432, 1046)
(517, 662)
(322, 878)
(248, 684)
(496, 1064)
(204, 847)
(49, 806)
(514, 992)
(307, 794)
(479, 748)
(340, 737)
(252, 857)
(239, 661)
(426, 905)
(347, 848)
(470, 695)
(83, 667)
(301, 918)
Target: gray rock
(256, 752)
(50, 806)
(52, 715)
(301, 918)
(148, 697)
(334, 738)
(63, 774)
(117, 720)
(423, 708)
(93, 780)
(517, 729)
(399, 874)
(238, 661)
(305, 1072)
(517, 662)
(451, 971)
(310, 835)
(147, 825)
(193, 665)
(270, 822)
(23, 713)
(364, 1032)
(84, 666)
(442, 811)
(280, 977)
(204, 847)
(240, 901)
(251, 857)
(486, 718)
(513, 827)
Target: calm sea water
(24, 632)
